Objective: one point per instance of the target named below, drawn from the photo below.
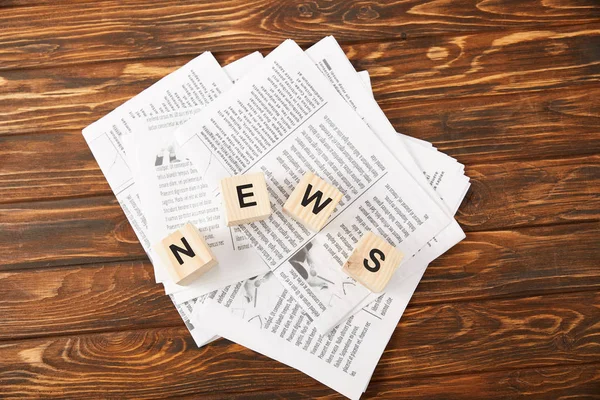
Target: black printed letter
(242, 195)
(307, 199)
(372, 254)
(187, 251)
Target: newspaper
(264, 316)
(105, 136)
(163, 106)
(271, 121)
(337, 69)
(344, 358)
(437, 162)
(174, 192)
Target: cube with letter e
(246, 198)
(373, 262)
(185, 254)
(312, 201)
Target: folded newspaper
(279, 288)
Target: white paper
(200, 336)
(331, 60)
(442, 172)
(170, 95)
(174, 192)
(164, 105)
(333, 63)
(265, 318)
(433, 249)
(254, 306)
(271, 121)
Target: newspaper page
(330, 59)
(442, 175)
(165, 105)
(244, 299)
(262, 320)
(434, 248)
(262, 315)
(335, 66)
(173, 192)
(442, 172)
(265, 318)
(105, 136)
(285, 119)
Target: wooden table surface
(509, 88)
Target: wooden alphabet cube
(185, 254)
(246, 198)
(373, 262)
(312, 201)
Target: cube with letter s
(373, 262)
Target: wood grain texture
(424, 69)
(81, 299)
(565, 382)
(506, 128)
(47, 35)
(123, 295)
(514, 333)
(50, 165)
(559, 383)
(509, 88)
(42, 234)
(453, 338)
(547, 192)
(523, 262)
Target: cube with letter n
(373, 262)
(185, 254)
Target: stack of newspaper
(278, 288)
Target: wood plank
(531, 193)
(482, 64)
(578, 381)
(547, 124)
(52, 165)
(521, 262)
(111, 30)
(75, 231)
(539, 383)
(96, 298)
(150, 363)
(405, 74)
(494, 335)
(123, 295)
(460, 338)
(86, 230)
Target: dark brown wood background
(509, 88)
